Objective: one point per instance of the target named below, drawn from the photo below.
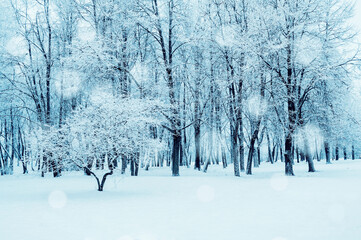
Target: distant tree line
(112, 84)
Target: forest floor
(325, 205)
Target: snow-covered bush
(97, 134)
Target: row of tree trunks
(11, 145)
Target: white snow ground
(325, 205)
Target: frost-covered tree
(300, 56)
(96, 135)
(232, 76)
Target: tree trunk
(270, 154)
(234, 157)
(239, 112)
(258, 155)
(12, 134)
(224, 158)
(124, 163)
(337, 153)
(132, 166)
(255, 158)
(197, 136)
(101, 184)
(251, 152)
(288, 155)
(318, 154)
(291, 108)
(241, 155)
(175, 153)
(309, 159)
(327, 152)
(298, 154)
(275, 152)
(90, 161)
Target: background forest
(115, 85)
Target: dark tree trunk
(353, 152)
(175, 153)
(288, 155)
(224, 158)
(291, 108)
(337, 153)
(241, 156)
(281, 154)
(55, 166)
(252, 148)
(181, 162)
(249, 159)
(239, 112)
(21, 151)
(136, 168)
(132, 166)
(89, 166)
(233, 121)
(197, 136)
(251, 152)
(102, 162)
(311, 167)
(2, 165)
(97, 164)
(344, 153)
(197, 111)
(327, 152)
(124, 163)
(234, 157)
(183, 159)
(25, 167)
(270, 154)
(275, 152)
(233, 127)
(206, 166)
(6, 149)
(302, 155)
(12, 134)
(101, 183)
(167, 55)
(101, 186)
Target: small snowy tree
(100, 132)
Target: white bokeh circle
(57, 199)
